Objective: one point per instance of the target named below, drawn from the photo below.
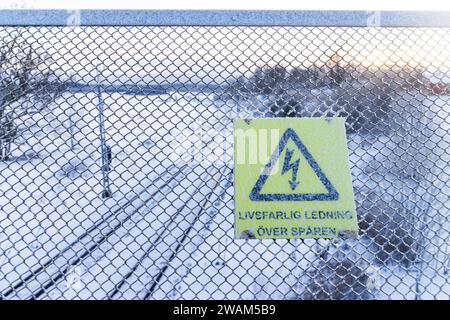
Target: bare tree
(25, 86)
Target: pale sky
(232, 4)
(81, 57)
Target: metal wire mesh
(116, 160)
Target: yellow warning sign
(292, 179)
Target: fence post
(106, 193)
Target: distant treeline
(363, 95)
(277, 79)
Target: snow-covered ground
(52, 185)
(178, 241)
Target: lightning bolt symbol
(287, 166)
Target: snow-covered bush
(340, 272)
(26, 86)
(363, 96)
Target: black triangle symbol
(256, 195)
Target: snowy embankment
(399, 162)
(401, 186)
(428, 276)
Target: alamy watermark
(373, 18)
(74, 18)
(73, 278)
(208, 145)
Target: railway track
(35, 282)
(202, 250)
(214, 200)
(105, 273)
(146, 273)
(43, 280)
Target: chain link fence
(116, 160)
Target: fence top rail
(22, 17)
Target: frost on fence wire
(116, 160)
